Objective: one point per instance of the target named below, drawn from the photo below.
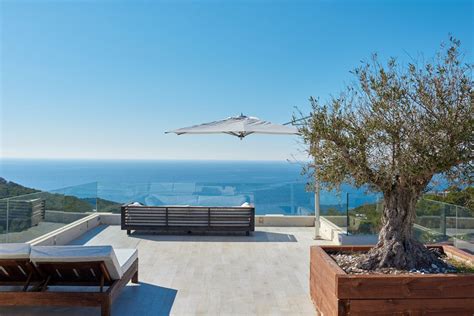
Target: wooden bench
(188, 218)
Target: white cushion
(246, 204)
(15, 251)
(125, 258)
(78, 254)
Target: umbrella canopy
(239, 126)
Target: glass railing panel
(29, 215)
(79, 198)
(435, 221)
(290, 198)
(26, 217)
(280, 198)
(463, 231)
(112, 196)
(333, 206)
(356, 211)
(3, 220)
(78, 202)
(364, 213)
(430, 222)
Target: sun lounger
(69, 267)
(188, 218)
(15, 265)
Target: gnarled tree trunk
(397, 247)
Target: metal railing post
(7, 216)
(443, 220)
(347, 213)
(292, 199)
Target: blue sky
(105, 79)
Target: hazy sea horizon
(50, 174)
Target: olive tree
(392, 130)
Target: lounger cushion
(15, 251)
(125, 258)
(78, 254)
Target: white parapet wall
(330, 231)
(67, 233)
(110, 219)
(284, 220)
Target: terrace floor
(264, 274)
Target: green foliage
(65, 203)
(108, 206)
(462, 197)
(392, 130)
(56, 201)
(365, 219)
(425, 207)
(10, 189)
(396, 126)
(331, 211)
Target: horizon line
(152, 159)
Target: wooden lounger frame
(72, 274)
(18, 272)
(188, 218)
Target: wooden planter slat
(336, 293)
(395, 286)
(433, 306)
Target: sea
(274, 187)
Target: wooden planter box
(334, 292)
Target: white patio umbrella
(242, 126)
(239, 126)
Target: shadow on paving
(144, 299)
(258, 236)
(87, 236)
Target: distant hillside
(457, 196)
(10, 189)
(56, 201)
